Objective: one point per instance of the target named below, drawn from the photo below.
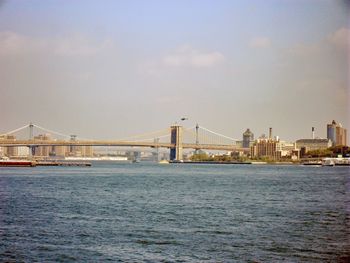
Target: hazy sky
(109, 69)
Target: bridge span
(176, 141)
(36, 143)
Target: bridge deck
(34, 143)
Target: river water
(175, 213)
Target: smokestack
(270, 133)
(313, 132)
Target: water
(175, 213)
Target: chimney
(270, 133)
(313, 133)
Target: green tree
(200, 157)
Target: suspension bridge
(176, 138)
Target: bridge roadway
(35, 143)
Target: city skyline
(336, 133)
(121, 68)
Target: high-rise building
(336, 133)
(248, 138)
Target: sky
(112, 69)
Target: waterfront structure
(212, 141)
(83, 151)
(336, 133)
(87, 151)
(306, 145)
(288, 150)
(79, 151)
(248, 138)
(60, 151)
(22, 151)
(10, 151)
(267, 148)
(42, 151)
(72, 150)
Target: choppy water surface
(175, 213)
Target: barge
(17, 163)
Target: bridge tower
(176, 138)
(197, 139)
(31, 134)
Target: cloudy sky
(109, 69)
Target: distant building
(239, 144)
(248, 138)
(289, 150)
(22, 151)
(10, 151)
(86, 151)
(80, 151)
(313, 144)
(336, 133)
(60, 151)
(42, 151)
(265, 148)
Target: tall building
(265, 148)
(336, 133)
(248, 138)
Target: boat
(328, 162)
(17, 163)
(338, 161)
(312, 163)
(163, 162)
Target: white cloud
(80, 46)
(260, 42)
(340, 38)
(188, 56)
(305, 50)
(12, 43)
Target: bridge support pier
(31, 151)
(176, 138)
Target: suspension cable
(147, 134)
(218, 134)
(16, 130)
(51, 131)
